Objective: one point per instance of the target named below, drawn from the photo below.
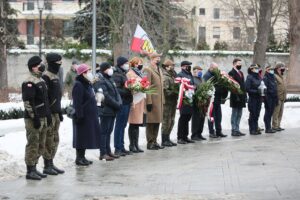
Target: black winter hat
(185, 63)
(53, 57)
(104, 66)
(33, 61)
(121, 61)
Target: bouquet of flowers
(222, 78)
(203, 96)
(139, 88)
(185, 93)
(140, 85)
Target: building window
(236, 12)
(236, 33)
(216, 13)
(48, 5)
(193, 10)
(30, 31)
(216, 32)
(202, 34)
(29, 5)
(251, 12)
(67, 28)
(250, 34)
(202, 11)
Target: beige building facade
(232, 21)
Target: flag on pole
(141, 42)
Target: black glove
(36, 123)
(149, 107)
(49, 120)
(61, 117)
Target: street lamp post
(40, 4)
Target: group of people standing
(103, 104)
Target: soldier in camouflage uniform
(54, 93)
(70, 78)
(37, 116)
(170, 103)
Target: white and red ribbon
(185, 84)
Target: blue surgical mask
(255, 71)
(271, 71)
(200, 74)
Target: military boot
(131, 135)
(59, 171)
(164, 141)
(136, 141)
(39, 173)
(48, 168)
(31, 173)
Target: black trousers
(183, 126)
(270, 105)
(254, 107)
(197, 123)
(106, 127)
(217, 114)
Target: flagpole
(94, 39)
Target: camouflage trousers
(36, 139)
(168, 117)
(52, 138)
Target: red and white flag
(141, 42)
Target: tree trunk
(3, 64)
(294, 63)
(264, 25)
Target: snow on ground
(12, 144)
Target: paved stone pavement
(251, 167)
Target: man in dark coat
(186, 110)
(108, 110)
(120, 78)
(271, 98)
(197, 118)
(54, 93)
(86, 127)
(220, 94)
(237, 101)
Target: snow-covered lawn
(12, 144)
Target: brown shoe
(114, 155)
(106, 157)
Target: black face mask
(157, 63)
(239, 67)
(140, 67)
(188, 68)
(42, 68)
(282, 71)
(53, 67)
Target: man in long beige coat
(154, 102)
(281, 92)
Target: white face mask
(126, 67)
(110, 72)
(90, 76)
(271, 71)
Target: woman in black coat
(108, 110)
(86, 127)
(252, 84)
